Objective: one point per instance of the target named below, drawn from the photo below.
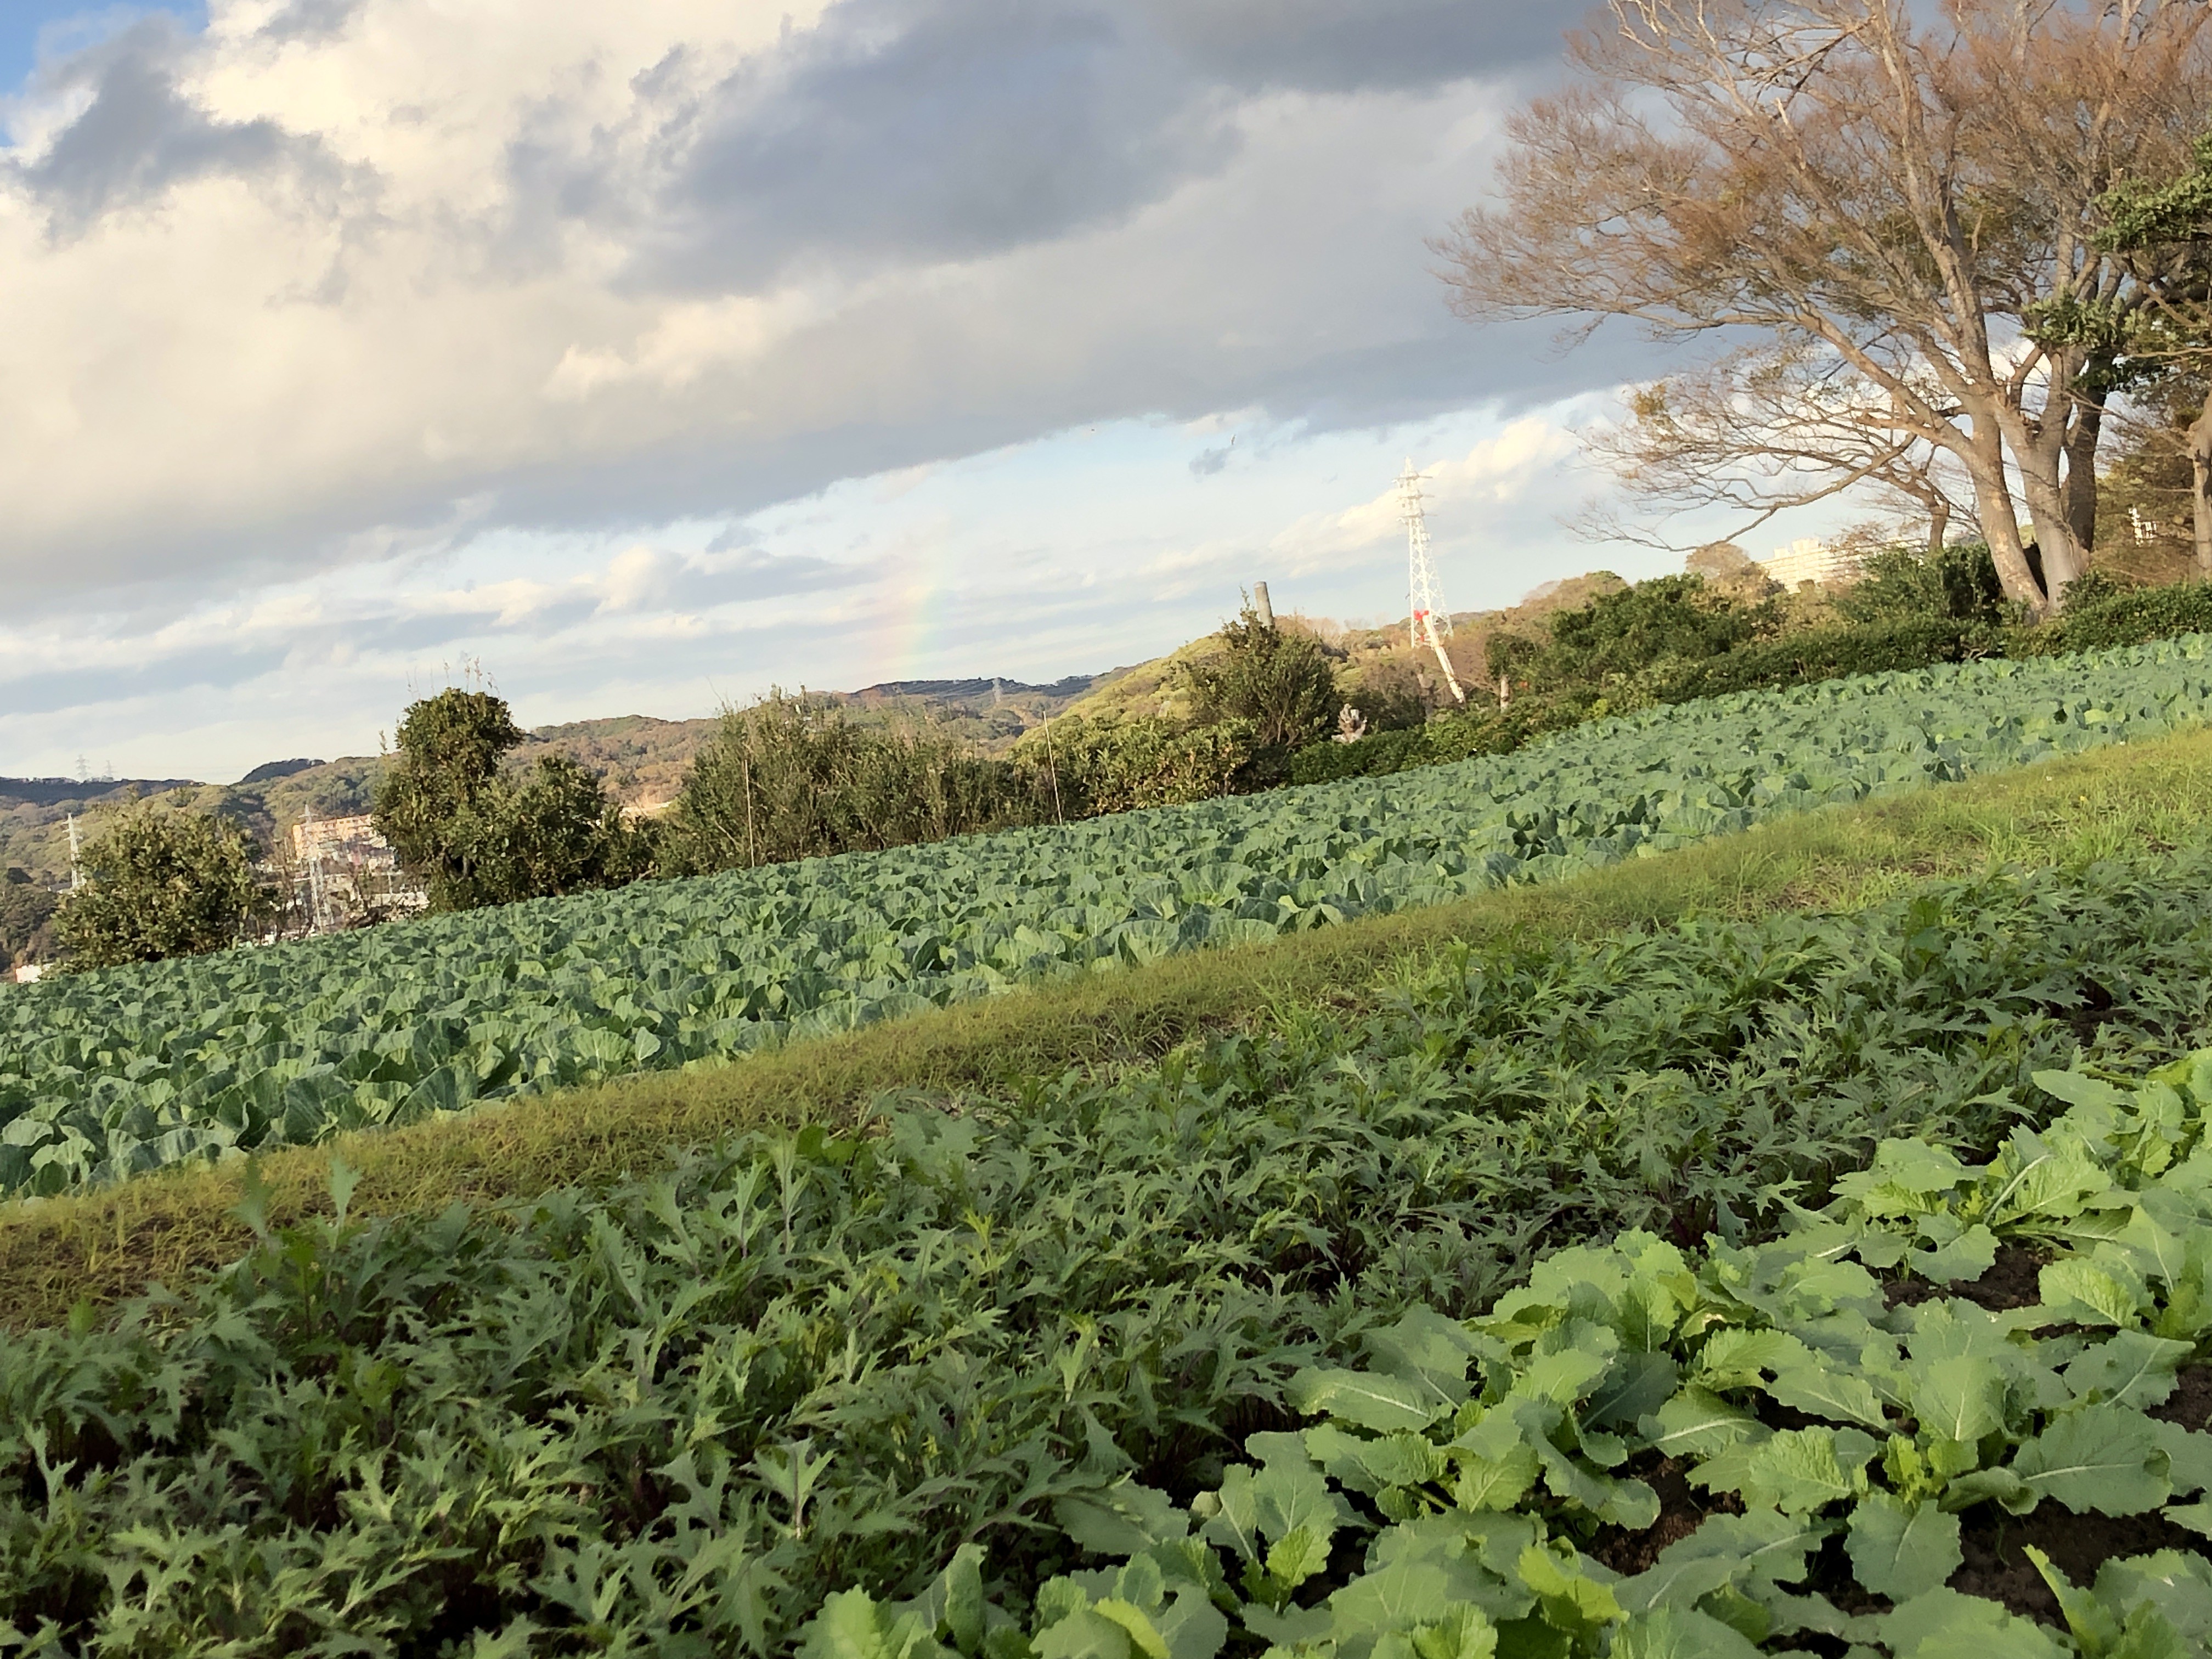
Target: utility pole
(77, 875)
(1429, 621)
(311, 848)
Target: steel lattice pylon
(1429, 623)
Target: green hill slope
(107, 1075)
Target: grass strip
(100, 1247)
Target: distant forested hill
(642, 759)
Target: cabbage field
(108, 1074)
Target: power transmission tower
(1429, 621)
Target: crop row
(1839, 1432)
(108, 1074)
(673, 1416)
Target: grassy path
(99, 1246)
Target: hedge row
(1822, 653)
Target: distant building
(349, 874)
(30, 973)
(1812, 560)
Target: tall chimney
(1260, 603)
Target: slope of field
(129, 1070)
(675, 1415)
(100, 1245)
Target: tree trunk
(2200, 492)
(2046, 499)
(1993, 504)
(1939, 526)
(2080, 489)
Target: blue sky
(654, 354)
(63, 25)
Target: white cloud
(1528, 453)
(707, 342)
(577, 261)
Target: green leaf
(2104, 1458)
(2131, 1368)
(1821, 1389)
(1495, 1483)
(1369, 1399)
(1799, 1470)
(1967, 1257)
(1465, 1632)
(1696, 1422)
(2179, 1585)
(1904, 1175)
(851, 1624)
(1737, 1358)
(1296, 1556)
(2077, 1090)
(1944, 1624)
(1089, 1633)
(2091, 1623)
(1901, 1549)
(1427, 1350)
(1121, 1520)
(1409, 1590)
(1286, 1627)
(1763, 1546)
(1144, 1637)
(1571, 1600)
(1676, 1632)
(1477, 1552)
(1564, 1376)
(2197, 1517)
(2002, 1486)
(1192, 1624)
(2077, 1288)
(1957, 1397)
(1638, 1383)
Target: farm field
(690, 1408)
(104, 1244)
(124, 1072)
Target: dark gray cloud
(223, 667)
(311, 20)
(904, 130)
(140, 137)
(1327, 45)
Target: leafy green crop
(1441, 1505)
(674, 1416)
(105, 1075)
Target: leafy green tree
(1279, 679)
(1906, 585)
(1613, 644)
(790, 777)
(27, 910)
(554, 832)
(158, 883)
(477, 835)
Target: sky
(652, 355)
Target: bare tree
(1919, 206)
(1764, 429)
